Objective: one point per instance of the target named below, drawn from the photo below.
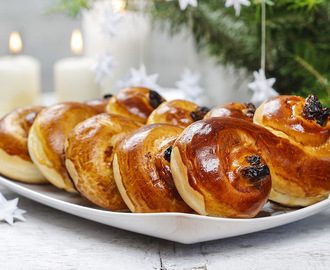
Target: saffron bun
(243, 111)
(100, 103)
(142, 170)
(218, 169)
(301, 170)
(89, 151)
(15, 159)
(47, 136)
(134, 102)
(177, 112)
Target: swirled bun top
(300, 159)
(234, 109)
(134, 102)
(177, 112)
(89, 153)
(218, 170)
(142, 170)
(287, 116)
(48, 134)
(15, 159)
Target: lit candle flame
(76, 42)
(15, 43)
(118, 5)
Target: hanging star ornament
(189, 84)
(237, 5)
(9, 210)
(184, 3)
(111, 22)
(103, 67)
(262, 87)
(139, 78)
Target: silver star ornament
(9, 210)
(103, 67)
(237, 5)
(262, 87)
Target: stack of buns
(137, 152)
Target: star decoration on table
(110, 23)
(189, 84)
(103, 67)
(184, 3)
(139, 78)
(237, 5)
(9, 210)
(262, 87)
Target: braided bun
(89, 152)
(134, 102)
(142, 170)
(301, 170)
(48, 134)
(177, 112)
(15, 159)
(218, 170)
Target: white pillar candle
(19, 80)
(73, 78)
(128, 46)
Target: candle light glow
(76, 42)
(15, 42)
(118, 5)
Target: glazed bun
(142, 170)
(89, 152)
(301, 170)
(218, 169)
(177, 112)
(15, 159)
(134, 102)
(234, 109)
(47, 136)
(100, 103)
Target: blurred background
(207, 53)
(45, 36)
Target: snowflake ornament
(189, 84)
(262, 87)
(184, 3)
(110, 23)
(103, 67)
(237, 5)
(9, 210)
(139, 78)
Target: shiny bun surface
(218, 169)
(15, 159)
(89, 153)
(142, 170)
(48, 134)
(134, 102)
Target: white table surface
(51, 239)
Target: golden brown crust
(48, 134)
(302, 175)
(134, 102)
(89, 153)
(100, 104)
(234, 109)
(175, 112)
(209, 164)
(284, 114)
(142, 170)
(15, 159)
